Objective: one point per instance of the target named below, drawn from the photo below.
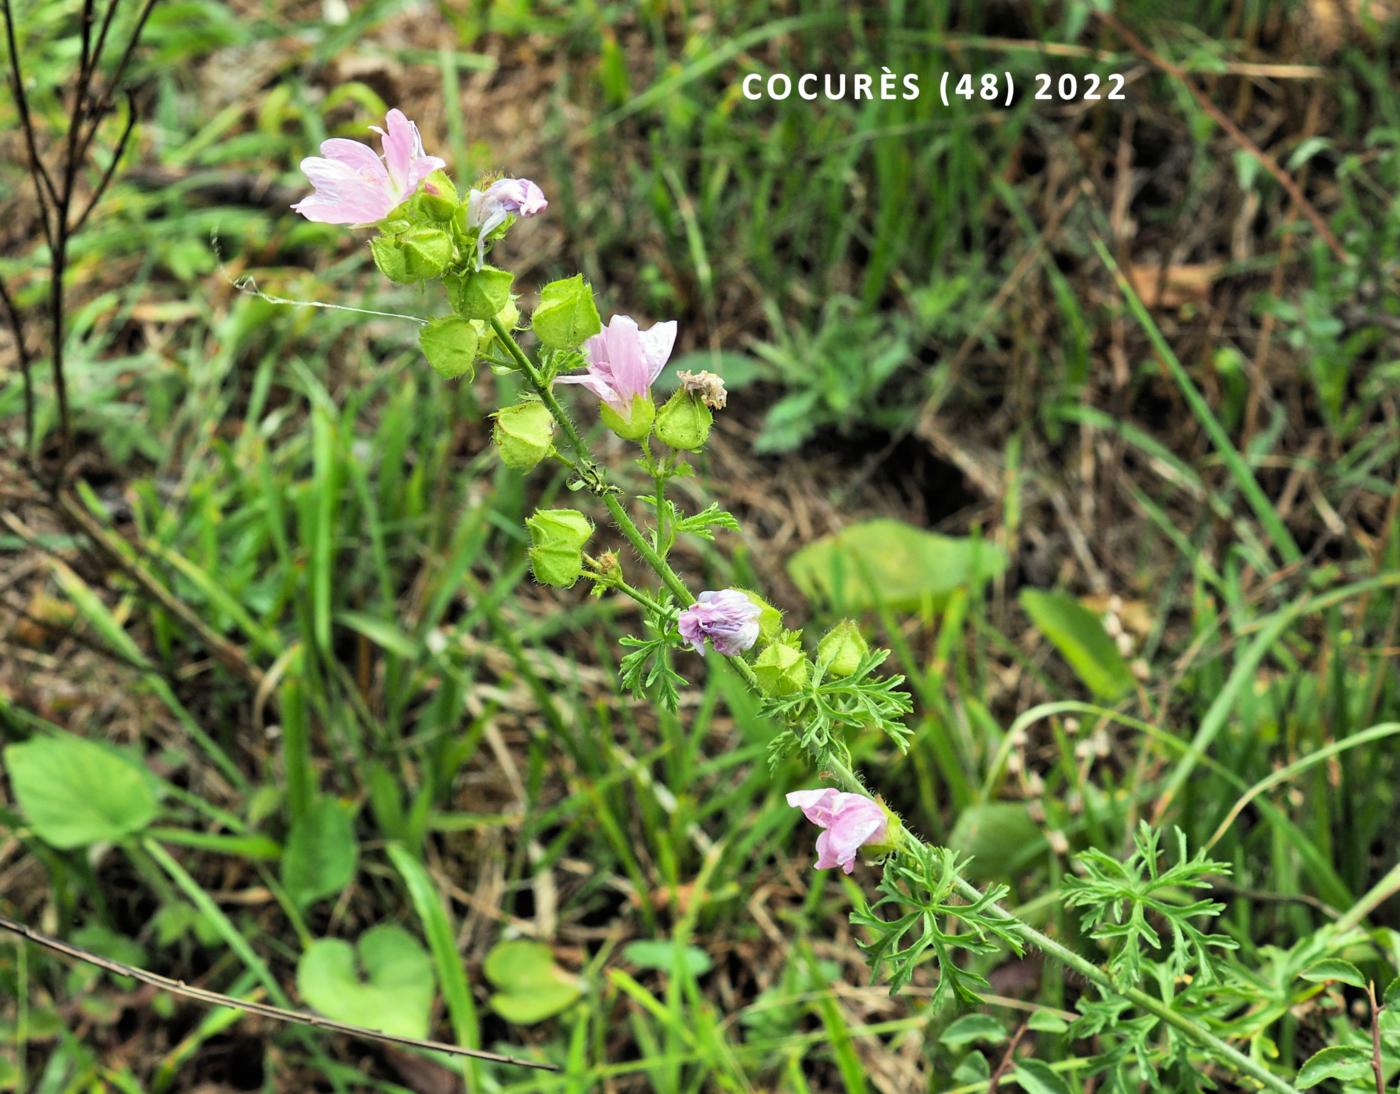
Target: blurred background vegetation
(1069, 401)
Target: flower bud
(684, 422)
(781, 670)
(481, 293)
(557, 537)
(426, 251)
(524, 433)
(636, 426)
(841, 650)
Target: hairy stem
(842, 773)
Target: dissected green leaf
(887, 562)
(1079, 636)
(384, 982)
(76, 792)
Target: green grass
(319, 499)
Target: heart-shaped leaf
(532, 987)
(77, 792)
(390, 991)
(321, 852)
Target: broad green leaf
(660, 954)
(1037, 1077)
(887, 562)
(389, 989)
(566, 315)
(76, 792)
(1046, 1021)
(1079, 636)
(1341, 1062)
(1335, 969)
(449, 344)
(972, 1068)
(973, 1027)
(321, 852)
(531, 986)
(999, 837)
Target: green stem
(848, 778)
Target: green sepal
(636, 426)
(450, 345)
(781, 670)
(557, 538)
(567, 315)
(524, 434)
(842, 649)
(684, 422)
(480, 294)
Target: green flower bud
(894, 833)
(444, 186)
(684, 422)
(390, 259)
(509, 315)
(481, 293)
(557, 537)
(841, 650)
(781, 670)
(524, 433)
(770, 620)
(637, 425)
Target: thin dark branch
(264, 1010)
(38, 172)
(111, 167)
(25, 372)
(85, 57)
(98, 109)
(102, 35)
(1376, 1066)
(1008, 1057)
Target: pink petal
(826, 855)
(357, 158)
(345, 193)
(855, 827)
(816, 805)
(630, 374)
(593, 382)
(657, 344)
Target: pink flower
(487, 210)
(728, 618)
(354, 186)
(624, 361)
(850, 820)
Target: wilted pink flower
(488, 209)
(728, 618)
(624, 361)
(850, 820)
(354, 186)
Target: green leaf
(1079, 636)
(321, 853)
(1045, 1021)
(1037, 1077)
(75, 792)
(972, 1068)
(661, 955)
(973, 1027)
(532, 987)
(890, 563)
(1335, 969)
(482, 293)
(449, 344)
(1341, 1062)
(391, 990)
(566, 315)
(999, 837)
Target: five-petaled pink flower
(850, 820)
(355, 186)
(487, 209)
(624, 360)
(728, 618)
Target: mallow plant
(1163, 1015)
